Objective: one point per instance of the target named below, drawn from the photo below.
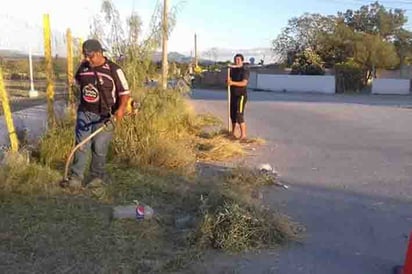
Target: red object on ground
(407, 268)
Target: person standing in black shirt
(238, 81)
(104, 92)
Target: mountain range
(207, 56)
(221, 54)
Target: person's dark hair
(239, 55)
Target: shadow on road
(362, 99)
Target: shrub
(307, 63)
(349, 77)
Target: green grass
(69, 234)
(75, 232)
(56, 144)
(20, 175)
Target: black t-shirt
(112, 84)
(239, 74)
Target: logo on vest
(90, 94)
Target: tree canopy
(373, 37)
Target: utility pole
(164, 45)
(32, 91)
(196, 57)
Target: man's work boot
(97, 188)
(74, 183)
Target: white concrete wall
(390, 86)
(297, 83)
(252, 83)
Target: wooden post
(228, 102)
(164, 45)
(196, 56)
(7, 115)
(80, 49)
(70, 80)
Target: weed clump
(19, 175)
(230, 220)
(56, 144)
(159, 135)
(234, 227)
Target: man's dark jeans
(86, 124)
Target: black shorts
(237, 108)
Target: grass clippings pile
(234, 220)
(235, 227)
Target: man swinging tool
(238, 81)
(104, 92)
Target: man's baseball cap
(92, 45)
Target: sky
(230, 24)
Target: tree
(372, 53)
(336, 47)
(130, 47)
(308, 63)
(96, 29)
(334, 37)
(372, 36)
(134, 25)
(369, 51)
(375, 19)
(115, 38)
(300, 34)
(403, 45)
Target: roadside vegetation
(154, 161)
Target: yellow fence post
(80, 49)
(7, 115)
(49, 70)
(70, 81)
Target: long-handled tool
(228, 100)
(131, 109)
(105, 126)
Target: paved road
(348, 159)
(30, 119)
(21, 103)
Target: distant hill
(205, 57)
(16, 55)
(173, 57)
(12, 54)
(225, 54)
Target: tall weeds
(159, 135)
